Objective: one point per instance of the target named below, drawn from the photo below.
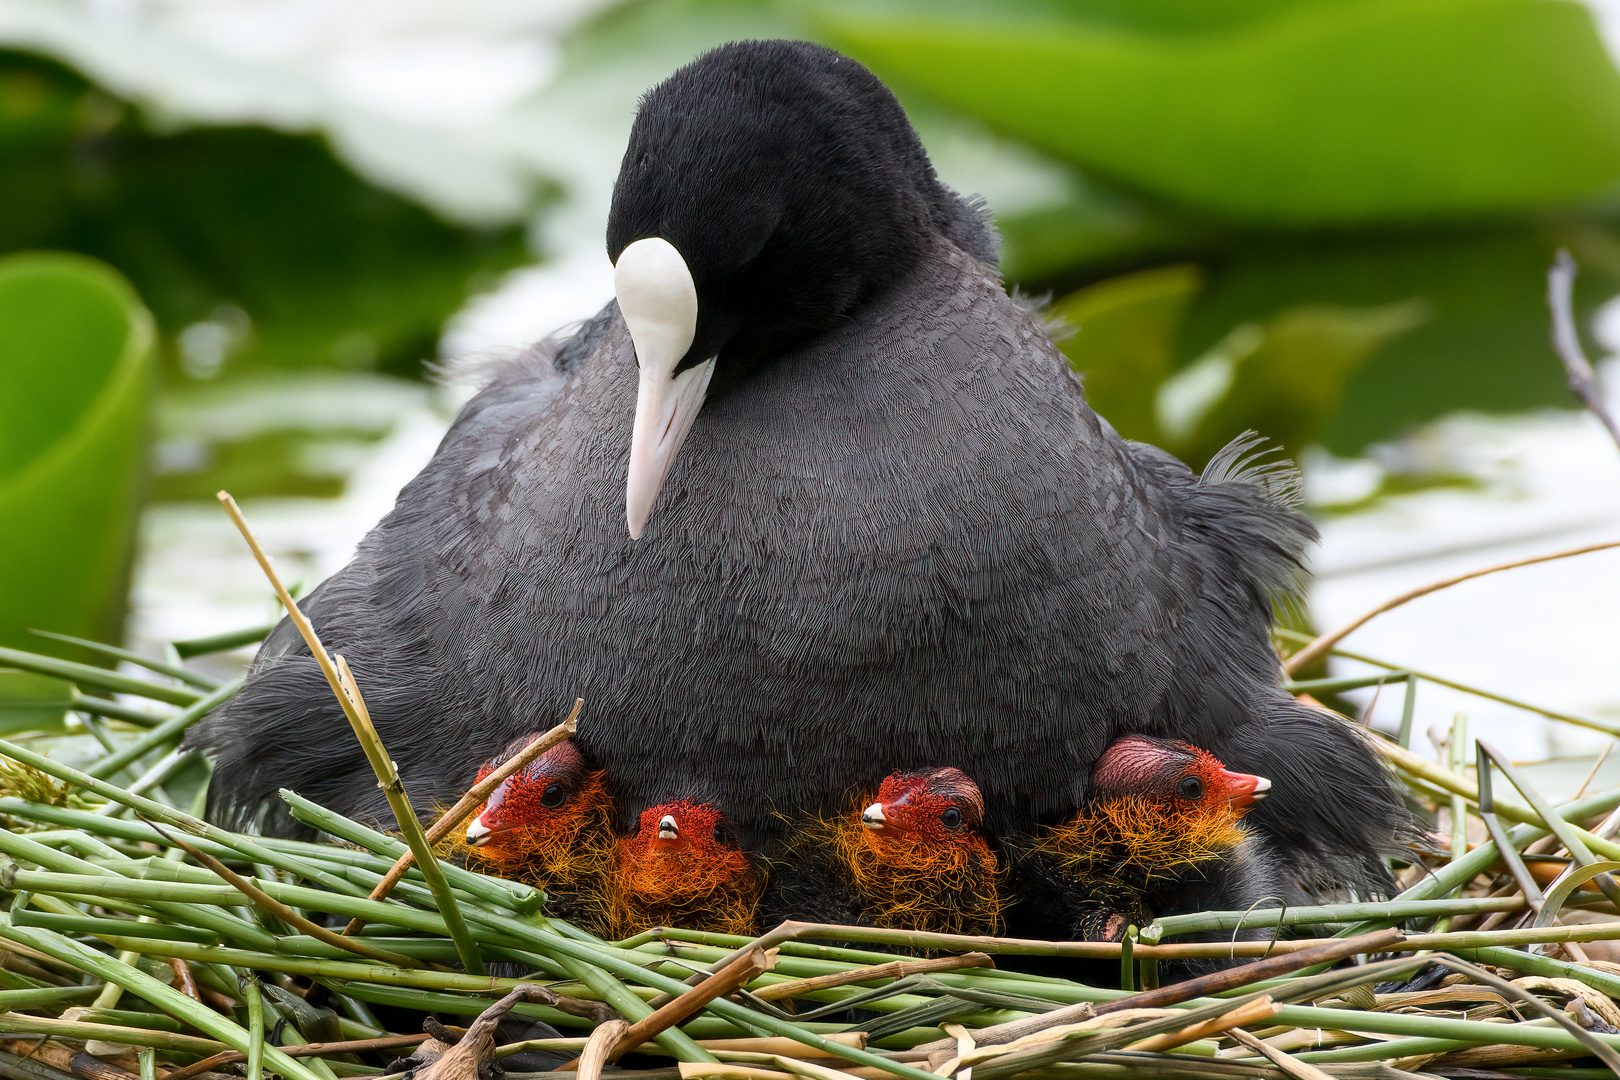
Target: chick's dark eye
(1191, 789)
(951, 818)
(553, 797)
(719, 835)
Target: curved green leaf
(1320, 114)
(75, 379)
(1124, 339)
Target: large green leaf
(75, 379)
(1282, 377)
(1484, 345)
(278, 253)
(1371, 110)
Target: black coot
(895, 536)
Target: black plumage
(896, 536)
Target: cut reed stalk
(349, 699)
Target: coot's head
(544, 795)
(769, 190)
(1173, 774)
(937, 805)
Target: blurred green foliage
(1295, 114)
(1327, 220)
(75, 389)
(278, 254)
(1325, 168)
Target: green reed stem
(253, 998)
(86, 675)
(200, 681)
(144, 986)
(168, 815)
(166, 732)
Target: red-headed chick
(1159, 833)
(682, 867)
(550, 824)
(914, 857)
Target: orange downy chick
(1158, 809)
(682, 867)
(549, 824)
(918, 858)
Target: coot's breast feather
(910, 543)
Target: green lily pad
(1301, 115)
(75, 384)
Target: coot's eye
(951, 818)
(1191, 789)
(554, 796)
(719, 835)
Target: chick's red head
(682, 866)
(939, 806)
(1173, 774)
(542, 799)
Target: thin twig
(1326, 952)
(475, 797)
(1325, 643)
(1263, 1008)
(339, 678)
(1567, 343)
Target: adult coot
(873, 525)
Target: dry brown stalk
(895, 969)
(1261, 1008)
(475, 797)
(725, 981)
(186, 982)
(1567, 343)
(1326, 642)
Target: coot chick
(1161, 834)
(888, 531)
(682, 866)
(912, 858)
(550, 824)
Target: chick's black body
(900, 540)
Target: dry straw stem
(1290, 1066)
(1567, 343)
(1322, 645)
(727, 980)
(471, 801)
(353, 705)
(1262, 1008)
(599, 1048)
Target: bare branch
(1567, 343)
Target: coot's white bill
(658, 300)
